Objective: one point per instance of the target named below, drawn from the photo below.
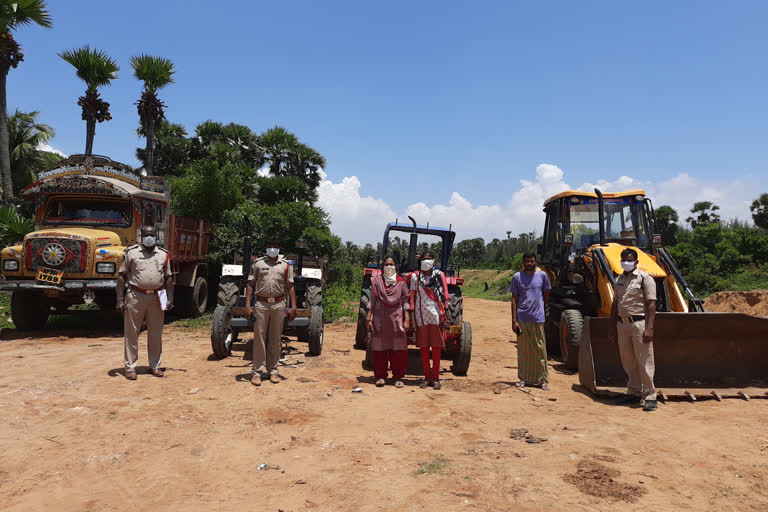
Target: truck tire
(222, 335)
(198, 300)
(29, 310)
(361, 335)
(314, 295)
(316, 329)
(455, 305)
(228, 292)
(571, 327)
(461, 361)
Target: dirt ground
(75, 435)
(754, 302)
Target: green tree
(469, 252)
(25, 135)
(666, 218)
(207, 190)
(13, 226)
(703, 213)
(759, 209)
(287, 156)
(14, 14)
(171, 152)
(156, 73)
(96, 69)
(279, 189)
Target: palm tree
(156, 73)
(96, 69)
(25, 136)
(13, 14)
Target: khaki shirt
(633, 290)
(271, 278)
(145, 269)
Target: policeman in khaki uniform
(633, 314)
(271, 276)
(146, 270)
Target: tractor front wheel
(316, 330)
(571, 327)
(222, 334)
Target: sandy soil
(754, 302)
(75, 435)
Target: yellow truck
(87, 211)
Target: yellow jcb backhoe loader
(697, 353)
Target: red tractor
(458, 343)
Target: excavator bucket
(697, 355)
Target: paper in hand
(163, 296)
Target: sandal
(380, 383)
(399, 384)
(545, 386)
(425, 384)
(520, 384)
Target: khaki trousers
(267, 331)
(637, 360)
(138, 307)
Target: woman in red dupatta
(388, 319)
(429, 296)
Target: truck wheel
(361, 335)
(316, 330)
(198, 301)
(228, 292)
(455, 305)
(461, 361)
(571, 326)
(29, 311)
(314, 295)
(222, 335)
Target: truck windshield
(625, 221)
(88, 212)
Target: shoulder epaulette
(162, 249)
(134, 246)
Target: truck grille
(66, 255)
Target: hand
(248, 310)
(169, 304)
(292, 313)
(120, 306)
(516, 327)
(407, 324)
(368, 325)
(648, 335)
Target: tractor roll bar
(414, 240)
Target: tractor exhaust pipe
(414, 240)
(247, 242)
(601, 216)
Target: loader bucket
(718, 355)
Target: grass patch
(497, 281)
(203, 321)
(435, 466)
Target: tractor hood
(645, 262)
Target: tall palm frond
(94, 67)
(25, 136)
(16, 13)
(155, 72)
(13, 225)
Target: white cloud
(360, 218)
(47, 147)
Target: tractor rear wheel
(461, 361)
(29, 310)
(571, 327)
(228, 291)
(314, 295)
(316, 331)
(222, 334)
(455, 305)
(361, 335)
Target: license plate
(49, 275)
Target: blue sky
(420, 101)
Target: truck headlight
(105, 268)
(11, 265)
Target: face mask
(272, 252)
(426, 265)
(389, 271)
(628, 266)
(148, 241)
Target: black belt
(631, 319)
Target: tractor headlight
(11, 265)
(105, 268)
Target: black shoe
(627, 400)
(650, 405)
(425, 384)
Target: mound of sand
(754, 302)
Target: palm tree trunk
(150, 151)
(5, 156)
(90, 132)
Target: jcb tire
(461, 361)
(228, 292)
(316, 329)
(571, 328)
(455, 305)
(361, 335)
(199, 298)
(222, 335)
(29, 311)
(551, 334)
(314, 295)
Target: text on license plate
(49, 275)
